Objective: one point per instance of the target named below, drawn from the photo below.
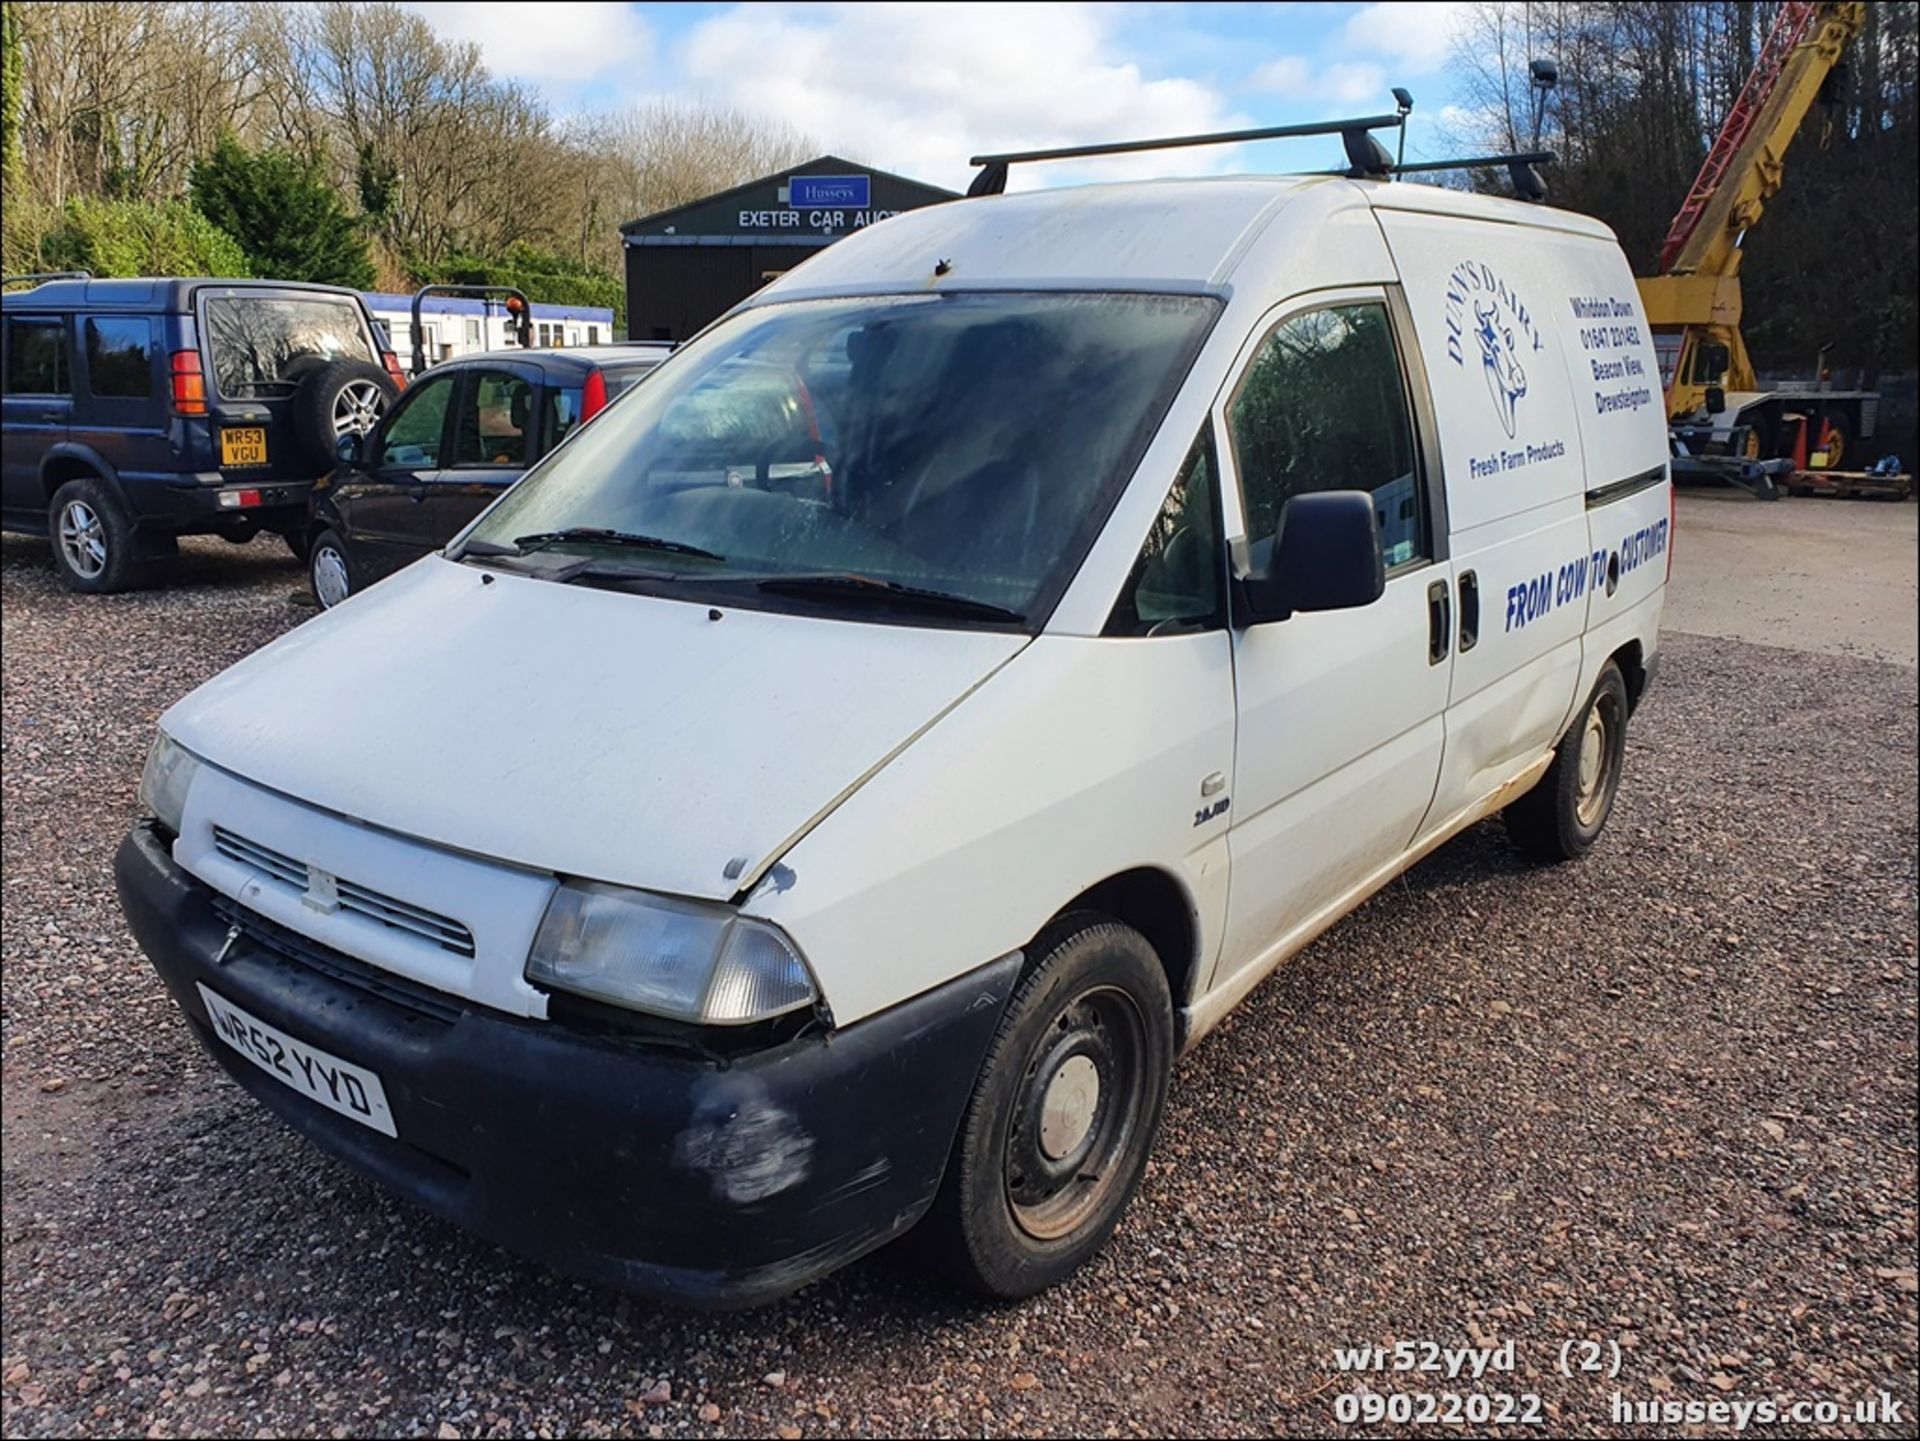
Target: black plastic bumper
(675, 1176)
(196, 509)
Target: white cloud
(1347, 82)
(1418, 34)
(919, 88)
(557, 47)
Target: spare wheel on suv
(337, 398)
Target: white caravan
(826, 795)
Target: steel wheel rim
(330, 583)
(357, 408)
(83, 539)
(1597, 761)
(1076, 1114)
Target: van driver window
(1322, 407)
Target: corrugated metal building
(691, 263)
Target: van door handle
(1469, 611)
(1439, 622)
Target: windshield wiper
(596, 535)
(874, 590)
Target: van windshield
(264, 344)
(963, 447)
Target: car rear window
(264, 345)
(620, 381)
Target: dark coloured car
(464, 432)
(138, 411)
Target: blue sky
(916, 88)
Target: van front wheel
(1056, 1135)
(1562, 816)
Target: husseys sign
(819, 202)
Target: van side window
(1177, 582)
(37, 356)
(1322, 407)
(118, 361)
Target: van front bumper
(679, 1177)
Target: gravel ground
(1665, 1098)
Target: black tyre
(1064, 1112)
(94, 547)
(297, 541)
(340, 398)
(1562, 816)
(330, 571)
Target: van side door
(37, 406)
(1340, 712)
(1491, 319)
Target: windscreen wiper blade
(873, 590)
(596, 535)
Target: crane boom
(1693, 304)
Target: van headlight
(170, 770)
(684, 959)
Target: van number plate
(353, 1091)
(244, 445)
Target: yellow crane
(1714, 401)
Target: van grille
(443, 931)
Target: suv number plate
(244, 445)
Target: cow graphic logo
(1506, 381)
(1481, 302)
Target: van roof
(144, 294)
(1165, 235)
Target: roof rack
(1367, 159)
(1527, 184)
(1365, 155)
(40, 277)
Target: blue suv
(138, 411)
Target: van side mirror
(1326, 556)
(350, 448)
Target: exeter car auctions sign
(819, 202)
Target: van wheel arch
(1633, 670)
(1155, 904)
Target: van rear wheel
(1563, 815)
(1056, 1135)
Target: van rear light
(394, 372)
(189, 385)
(593, 398)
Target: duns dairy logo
(1485, 314)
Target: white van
(782, 821)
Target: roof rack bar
(40, 277)
(992, 178)
(1477, 162)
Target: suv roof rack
(40, 277)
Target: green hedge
(140, 237)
